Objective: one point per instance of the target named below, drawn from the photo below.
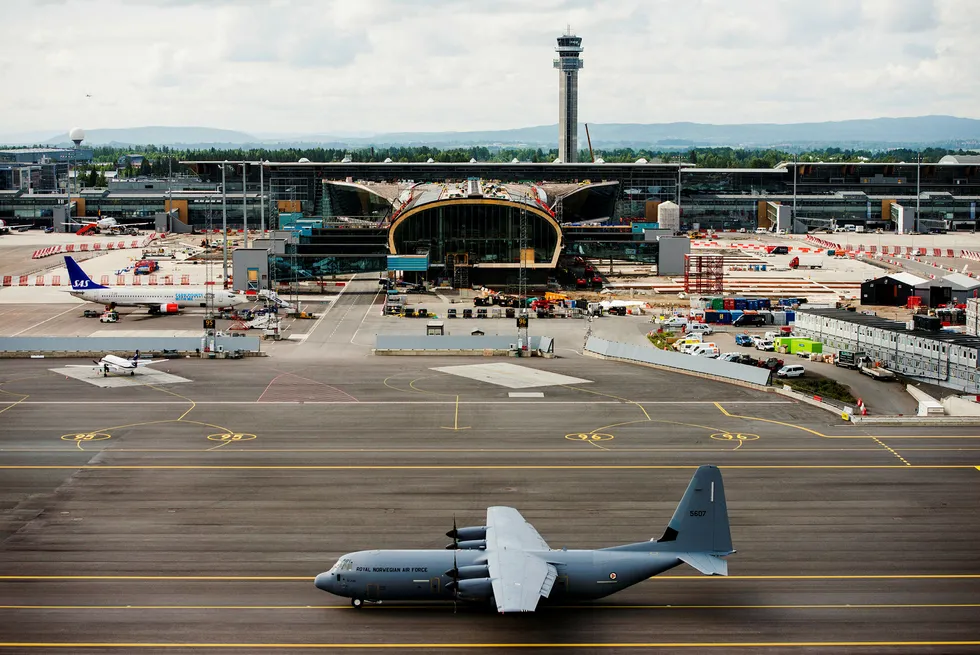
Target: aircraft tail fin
(699, 528)
(79, 280)
(136, 357)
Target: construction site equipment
(704, 274)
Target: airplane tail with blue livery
(79, 280)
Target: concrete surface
(177, 519)
(204, 510)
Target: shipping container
(741, 303)
(718, 303)
(729, 303)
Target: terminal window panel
(489, 233)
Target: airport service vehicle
(145, 267)
(750, 320)
(863, 364)
(91, 313)
(700, 328)
(765, 344)
(791, 371)
(506, 563)
(674, 321)
(691, 340)
(744, 340)
(777, 250)
(109, 317)
(159, 300)
(704, 350)
(688, 348)
(806, 261)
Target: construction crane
(589, 139)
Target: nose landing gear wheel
(357, 603)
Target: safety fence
(703, 366)
(104, 280)
(102, 246)
(401, 344)
(74, 346)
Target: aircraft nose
(324, 582)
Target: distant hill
(948, 131)
(158, 135)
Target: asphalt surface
(196, 515)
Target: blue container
(736, 313)
(790, 317)
(711, 316)
(752, 304)
(765, 303)
(741, 303)
(724, 317)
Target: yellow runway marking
(891, 450)
(488, 646)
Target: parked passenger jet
(5, 227)
(159, 300)
(507, 563)
(114, 364)
(105, 224)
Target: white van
(699, 328)
(791, 371)
(675, 321)
(692, 340)
(689, 349)
(704, 350)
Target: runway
(193, 517)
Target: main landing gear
(357, 603)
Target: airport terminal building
(471, 213)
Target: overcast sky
(368, 66)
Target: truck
(145, 267)
(806, 261)
(869, 368)
(860, 362)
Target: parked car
(791, 371)
(727, 357)
(91, 313)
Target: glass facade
(489, 232)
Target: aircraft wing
(146, 362)
(519, 576)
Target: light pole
(224, 225)
(245, 203)
(77, 135)
(262, 164)
(918, 195)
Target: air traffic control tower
(568, 63)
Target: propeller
(455, 577)
(452, 534)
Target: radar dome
(600, 160)
(430, 160)
(641, 160)
(515, 160)
(557, 160)
(77, 135)
(304, 160)
(472, 160)
(387, 160)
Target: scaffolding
(458, 269)
(704, 274)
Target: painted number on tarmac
(231, 436)
(86, 436)
(588, 436)
(734, 436)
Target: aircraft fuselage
(420, 575)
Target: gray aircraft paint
(698, 534)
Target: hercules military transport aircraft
(509, 565)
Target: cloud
(326, 66)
